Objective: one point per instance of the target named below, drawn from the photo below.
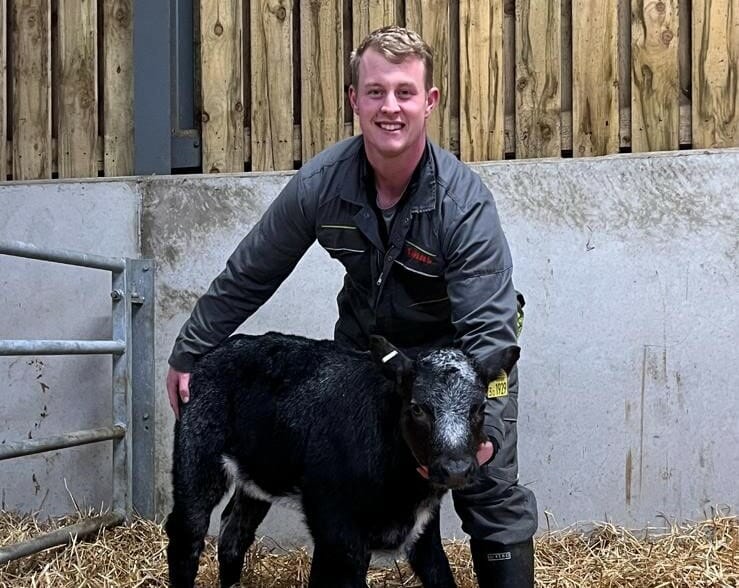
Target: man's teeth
(390, 126)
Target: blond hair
(395, 44)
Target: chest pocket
(420, 274)
(347, 244)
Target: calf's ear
(502, 360)
(394, 363)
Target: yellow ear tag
(499, 386)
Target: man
(426, 262)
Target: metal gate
(132, 430)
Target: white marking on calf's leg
(424, 513)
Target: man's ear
(503, 360)
(432, 100)
(353, 99)
(394, 363)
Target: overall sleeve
(480, 288)
(253, 272)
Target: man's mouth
(388, 126)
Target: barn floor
(687, 556)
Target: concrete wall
(629, 373)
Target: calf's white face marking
(451, 394)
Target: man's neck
(393, 175)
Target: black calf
(344, 433)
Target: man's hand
(178, 388)
(484, 455)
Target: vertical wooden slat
(271, 85)
(715, 73)
(31, 39)
(482, 107)
(566, 92)
(222, 83)
(369, 15)
(430, 18)
(655, 79)
(509, 76)
(77, 89)
(118, 87)
(3, 92)
(685, 65)
(595, 77)
(624, 74)
(538, 67)
(322, 70)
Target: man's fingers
(184, 386)
(173, 400)
(484, 453)
(424, 471)
(171, 382)
(178, 389)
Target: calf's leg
(341, 555)
(239, 522)
(339, 565)
(428, 560)
(199, 482)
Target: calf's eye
(417, 411)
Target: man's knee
(497, 510)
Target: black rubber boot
(503, 566)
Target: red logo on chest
(418, 255)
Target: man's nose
(390, 104)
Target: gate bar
(60, 347)
(73, 439)
(122, 397)
(20, 249)
(60, 536)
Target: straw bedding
(690, 555)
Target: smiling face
(393, 105)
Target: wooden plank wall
(271, 85)
(64, 119)
(431, 19)
(3, 91)
(223, 88)
(322, 74)
(538, 79)
(518, 78)
(655, 79)
(30, 30)
(368, 15)
(482, 98)
(77, 100)
(595, 107)
(117, 88)
(715, 73)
